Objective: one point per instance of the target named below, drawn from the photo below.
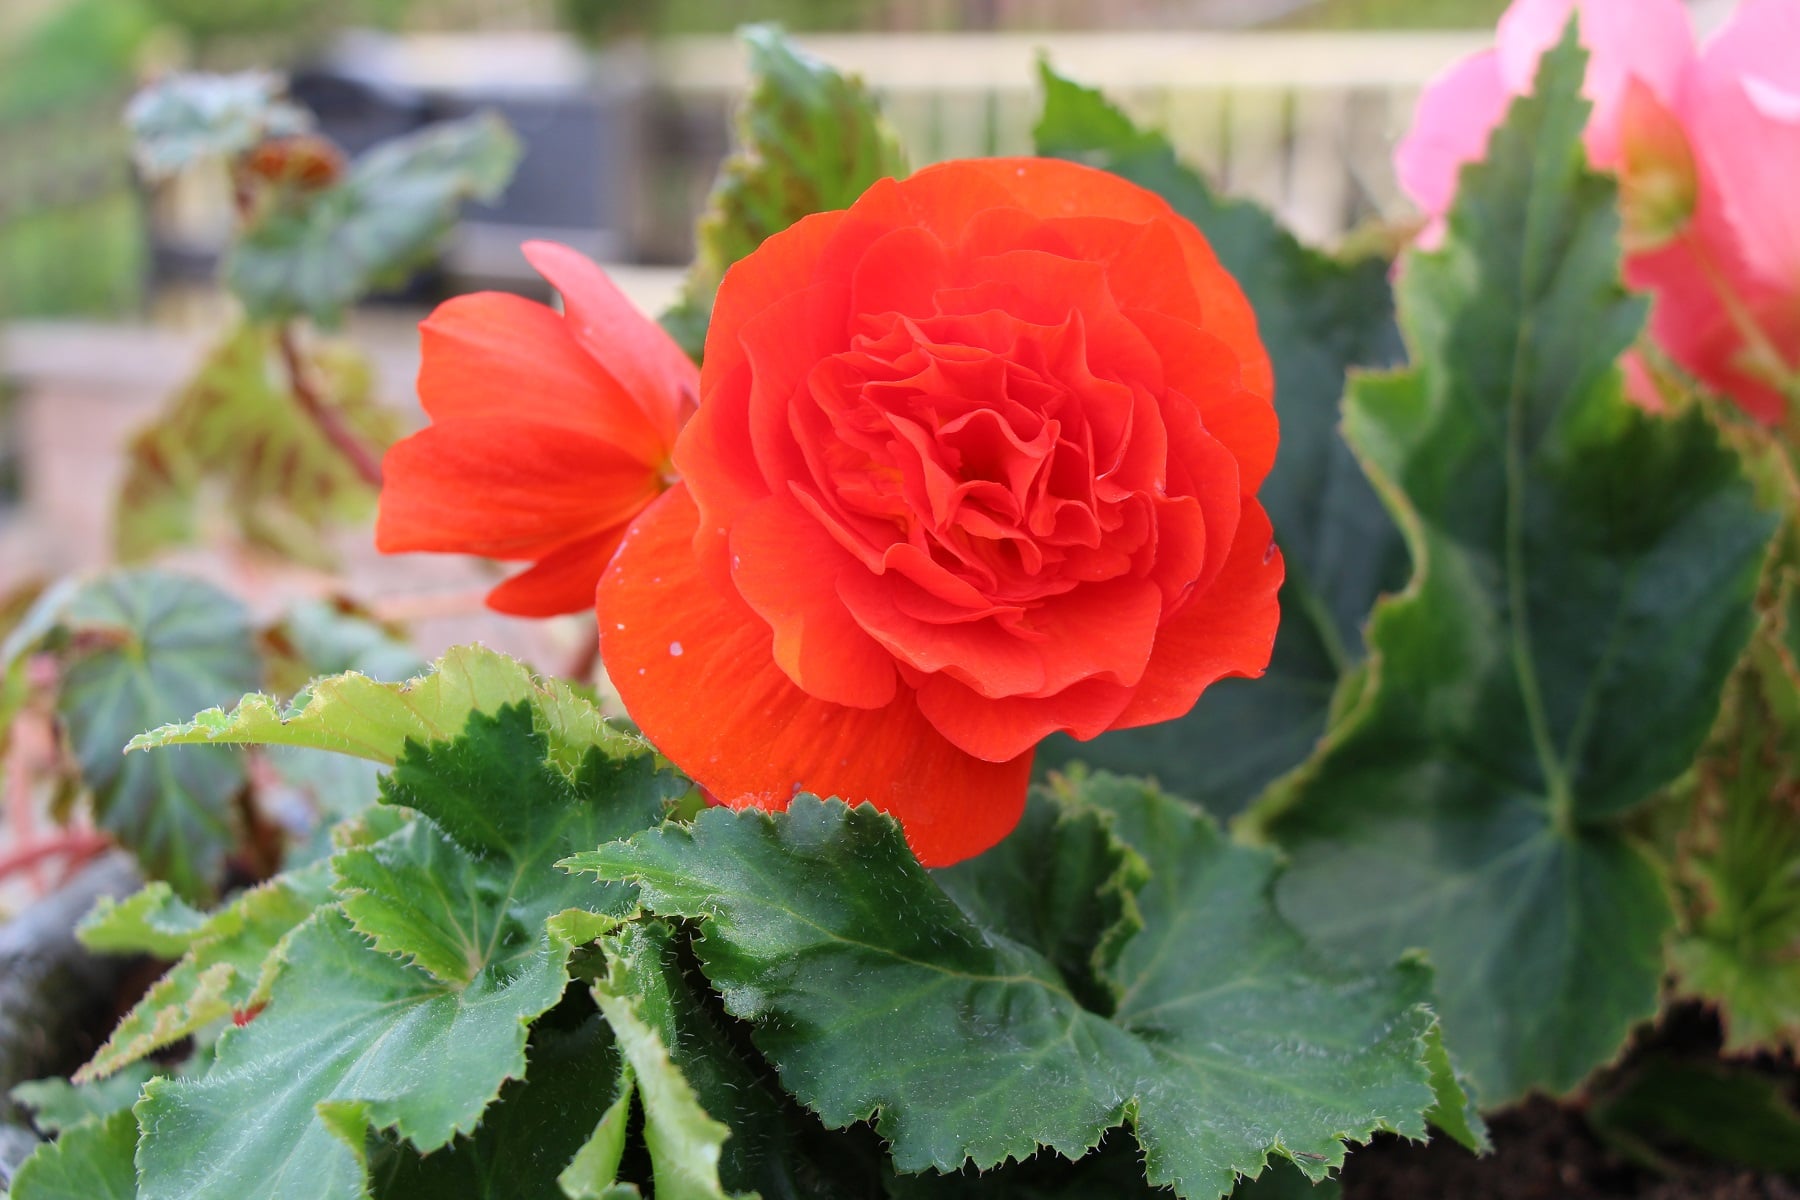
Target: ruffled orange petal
(1226, 630)
(696, 669)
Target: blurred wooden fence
(1304, 122)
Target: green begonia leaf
(362, 717)
(352, 1040)
(153, 920)
(528, 1137)
(91, 1161)
(773, 1148)
(1062, 884)
(359, 1033)
(184, 119)
(1115, 1171)
(58, 1105)
(145, 647)
(225, 968)
(1583, 581)
(811, 140)
(316, 252)
(684, 1141)
(1318, 317)
(329, 637)
(1739, 947)
(1664, 1108)
(280, 481)
(872, 992)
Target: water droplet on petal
(674, 649)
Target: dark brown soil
(1549, 1151)
(1541, 1152)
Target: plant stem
(355, 451)
(364, 461)
(76, 846)
(586, 656)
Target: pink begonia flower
(1707, 147)
(1648, 40)
(1727, 289)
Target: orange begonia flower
(548, 433)
(975, 461)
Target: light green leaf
(1454, 1113)
(355, 715)
(356, 1037)
(810, 140)
(319, 251)
(1583, 584)
(594, 1171)
(774, 1148)
(226, 968)
(1318, 316)
(153, 920)
(528, 1137)
(873, 993)
(143, 648)
(684, 1141)
(57, 1105)
(186, 118)
(91, 1161)
(235, 445)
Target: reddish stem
(355, 451)
(76, 846)
(363, 460)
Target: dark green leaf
(1062, 884)
(237, 426)
(527, 1138)
(811, 140)
(873, 993)
(317, 252)
(91, 1161)
(1319, 317)
(1583, 584)
(1114, 1171)
(145, 647)
(184, 119)
(407, 1008)
(1730, 1113)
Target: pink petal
(1456, 114)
